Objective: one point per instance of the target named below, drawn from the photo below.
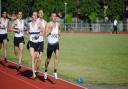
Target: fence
(94, 27)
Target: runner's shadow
(1, 63)
(28, 74)
(40, 78)
(12, 67)
(49, 80)
(25, 73)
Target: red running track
(11, 79)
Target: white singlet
(4, 25)
(33, 31)
(20, 27)
(53, 37)
(43, 23)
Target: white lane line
(32, 85)
(53, 76)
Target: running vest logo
(54, 36)
(35, 37)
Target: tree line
(82, 9)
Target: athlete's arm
(1, 26)
(44, 26)
(48, 29)
(13, 27)
(0, 23)
(8, 26)
(59, 30)
(41, 29)
(27, 28)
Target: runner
(41, 41)
(52, 31)
(18, 28)
(3, 33)
(35, 30)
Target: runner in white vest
(41, 40)
(35, 30)
(4, 22)
(18, 27)
(52, 31)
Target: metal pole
(65, 15)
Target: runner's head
(53, 16)
(4, 14)
(19, 15)
(34, 16)
(40, 14)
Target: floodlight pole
(65, 4)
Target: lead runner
(52, 31)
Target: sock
(45, 70)
(55, 70)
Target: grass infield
(99, 58)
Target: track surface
(11, 79)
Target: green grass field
(99, 58)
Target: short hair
(34, 12)
(4, 11)
(53, 12)
(19, 11)
(40, 10)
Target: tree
(15, 6)
(115, 8)
(90, 8)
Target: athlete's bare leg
(5, 48)
(21, 46)
(20, 52)
(38, 61)
(16, 51)
(32, 53)
(56, 59)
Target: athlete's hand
(49, 33)
(2, 27)
(16, 30)
(36, 37)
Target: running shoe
(55, 75)
(45, 75)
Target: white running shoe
(45, 75)
(55, 75)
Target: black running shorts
(3, 37)
(18, 40)
(51, 48)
